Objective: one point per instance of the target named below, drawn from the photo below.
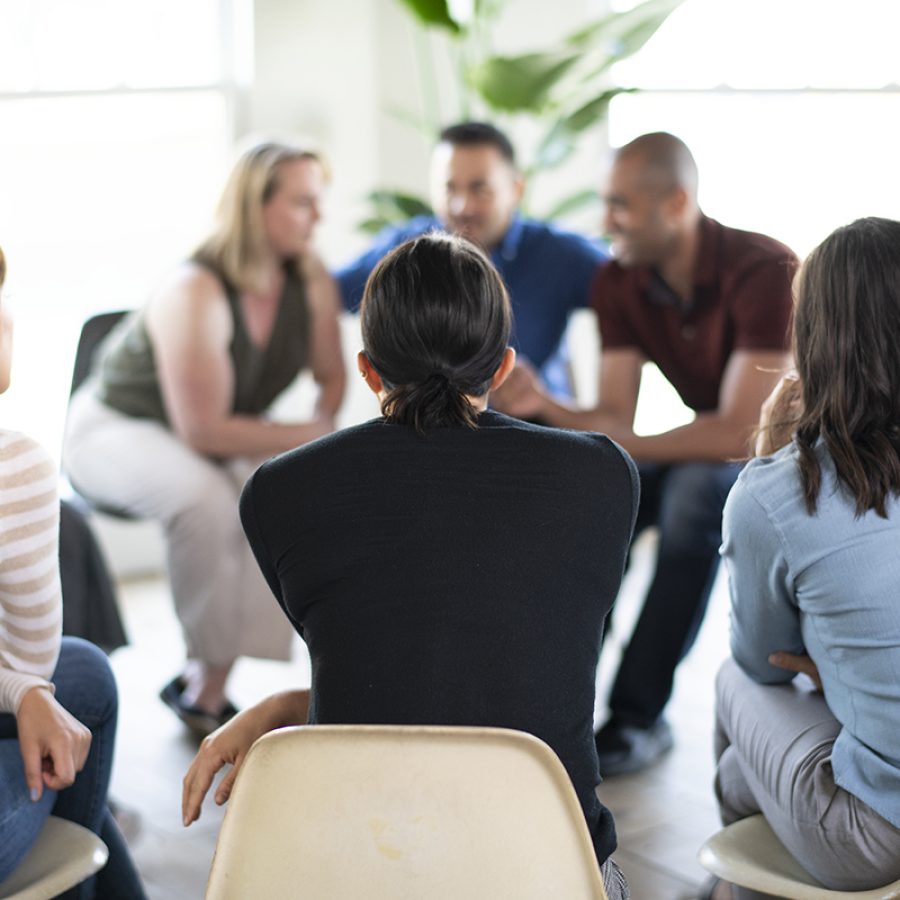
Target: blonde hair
(237, 244)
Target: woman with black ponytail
(445, 564)
(435, 323)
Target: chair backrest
(65, 854)
(403, 812)
(748, 853)
(94, 330)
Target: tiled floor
(662, 816)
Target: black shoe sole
(199, 721)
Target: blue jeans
(86, 688)
(685, 502)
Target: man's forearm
(566, 415)
(709, 438)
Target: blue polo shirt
(547, 271)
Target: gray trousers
(223, 603)
(773, 749)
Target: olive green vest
(124, 371)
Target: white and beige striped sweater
(30, 596)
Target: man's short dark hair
(468, 134)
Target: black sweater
(456, 578)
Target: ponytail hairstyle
(846, 339)
(435, 322)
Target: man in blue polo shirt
(476, 189)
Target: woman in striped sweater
(58, 699)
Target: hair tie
(441, 377)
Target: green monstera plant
(564, 88)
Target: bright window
(117, 123)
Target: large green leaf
(572, 203)
(589, 113)
(559, 142)
(596, 32)
(488, 9)
(395, 206)
(626, 32)
(433, 12)
(521, 83)
(374, 224)
(632, 39)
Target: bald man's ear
(677, 203)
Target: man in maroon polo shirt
(710, 305)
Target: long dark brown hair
(435, 322)
(847, 348)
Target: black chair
(94, 330)
(90, 607)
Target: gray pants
(773, 748)
(225, 607)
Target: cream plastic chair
(330, 812)
(748, 854)
(63, 855)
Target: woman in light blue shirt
(812, 544)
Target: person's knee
(728, 671)
(21, 819)
(733, 795)
(84, 682)
(728, 682)
(209, 503)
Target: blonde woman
(174, 417)
(58, 702)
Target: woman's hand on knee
(53, 743)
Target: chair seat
(63, 855)
(748, 853)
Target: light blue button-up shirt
(828, 585)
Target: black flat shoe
(199, 721)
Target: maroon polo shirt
(741, 301)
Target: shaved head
(651, 200)
(665, 162)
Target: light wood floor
(662, 815)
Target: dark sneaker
(199, 721)
(623, 749)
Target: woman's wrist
(35, 688)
